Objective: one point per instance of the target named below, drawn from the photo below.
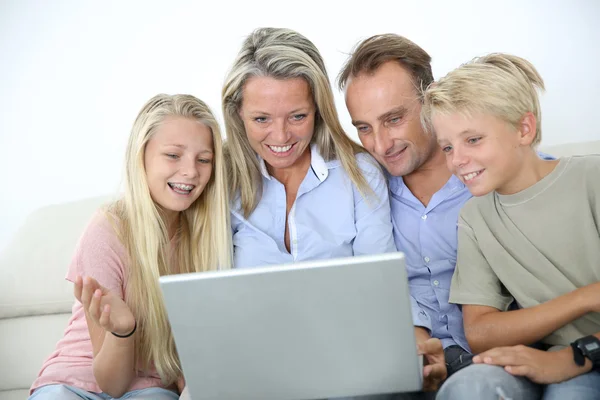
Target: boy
(531, 234)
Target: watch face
(592, 346)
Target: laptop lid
(308, 330)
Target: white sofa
(35, 299)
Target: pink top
(99, 254)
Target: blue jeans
(64, 392)
(456, 359)
(483, 382)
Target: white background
(74, 73)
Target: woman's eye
(173, 156)
(299, 117)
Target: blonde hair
(497, 84)
(203, 240)
(281, 54)
(373, 52)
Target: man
(383, 80)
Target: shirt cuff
(420, 317)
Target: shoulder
(587, 164)
(102, 234)
(367, 163)
(370, 168)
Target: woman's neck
(295, 172)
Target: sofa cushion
(25, 343)
(14, 395)
(35, 262)
(572, 149)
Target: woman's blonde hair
(502, 85)
(202, 241)
(281, 54)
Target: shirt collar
(397, 186)
(317, 163)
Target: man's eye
(446, 149)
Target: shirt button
(424, 216)
(436, 282)
(426, 259)
(295, 241)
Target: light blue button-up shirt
(328, 219)
(428, 238)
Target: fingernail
(488, 360)
(476, 359)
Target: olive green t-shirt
(534, 245)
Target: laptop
(310, 330)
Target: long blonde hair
(203, 239)
(281, 54)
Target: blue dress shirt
(328, 219)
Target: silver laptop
(309, 330)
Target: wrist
(567, 358)
(421, 334)
(127, 334)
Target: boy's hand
(543, 367)
(104, 307)
(434, 369)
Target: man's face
(385, 110)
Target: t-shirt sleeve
(474, 282)
(99, 254)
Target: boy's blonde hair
(497, 84)
(202, 242)
(281, 54)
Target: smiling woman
(301, 189)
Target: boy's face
(483, 151)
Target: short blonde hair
(502, 85)
(281, 54)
